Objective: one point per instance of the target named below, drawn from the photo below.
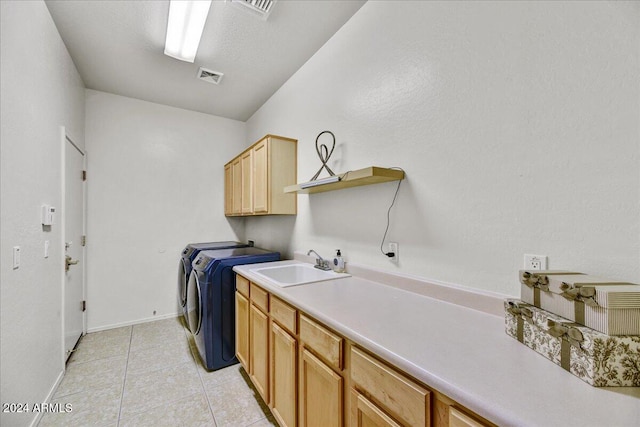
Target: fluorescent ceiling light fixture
(321, 181)
(184, 29)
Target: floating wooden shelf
(366, 176)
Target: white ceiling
(118, 47)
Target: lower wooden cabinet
(311, 376)
(259, 351)
(365, 413)
(284, 356)
(404, 399)
(242, 330)
(460, 419)
(320, 393)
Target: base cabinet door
(283, 376)
(320, 393)
(365, 413)
(242, 330)
(259, 351)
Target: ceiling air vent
(209, 76)
(260, 8)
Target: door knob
(68, 261)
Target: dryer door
(183, 278)
(194, 303)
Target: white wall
(41, 91)
(517, 124)
(155, 184)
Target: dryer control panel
(201, 262)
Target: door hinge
(84, 305)
(83, 240)
(84, 175)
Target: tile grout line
(204, 390)
(124, 380)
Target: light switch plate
(16, 257)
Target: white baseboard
(132, 322)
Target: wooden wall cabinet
(228, 189)
(246, 195)
(235, 187)
(258, 177)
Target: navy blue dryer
(189, 253)
(211, 302)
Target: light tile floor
(151, 375)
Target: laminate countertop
(460, 352)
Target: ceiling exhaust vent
(261, 8)
(209, 76)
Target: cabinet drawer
(260, 298)
(405, 400)
(284, 314)
(242, 285)
(364, 413)
(460, 419)
(322, 341)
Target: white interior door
(74, 248)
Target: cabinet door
(247, 182)
(261, 185)
(236, 186)
(259, 351)
(320, 393)
(242, 330)
(365, 413)
(283, 376)
(228, 190)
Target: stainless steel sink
(297, 274)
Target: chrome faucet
(321, 263)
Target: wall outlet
(535, 262)
(393, 247)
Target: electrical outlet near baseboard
(393, 247)
(535, 262)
